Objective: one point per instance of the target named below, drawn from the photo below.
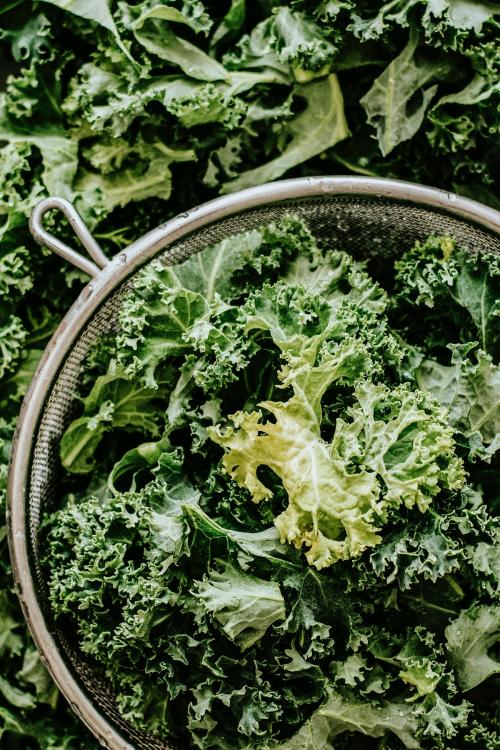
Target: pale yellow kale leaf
(293, 448)
(394, 447)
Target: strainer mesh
(372, 228)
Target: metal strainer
(371, 218)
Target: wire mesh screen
(372, 228)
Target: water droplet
(184, 215)
(122, 257)
(452, 197)
(342, 225)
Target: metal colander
(370, 218)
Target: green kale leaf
(469, 640)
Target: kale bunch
(279, 527)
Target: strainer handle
(61, 248)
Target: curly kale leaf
(484, 558)
(286, 40)
(239, 263)
(12, 338)
(58, 150)
(116, 402)
(124, 174)
(438, 18)
(318, 127)
(169, 311)
(339, 715)
(387, 103)
(244, 606)
(429, 549)
(153, 32)
(454, 290)
(470, 391)
(133, 606)
(469, 640)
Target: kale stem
(455, 586)
(14, 4)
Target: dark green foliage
(140, 110)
